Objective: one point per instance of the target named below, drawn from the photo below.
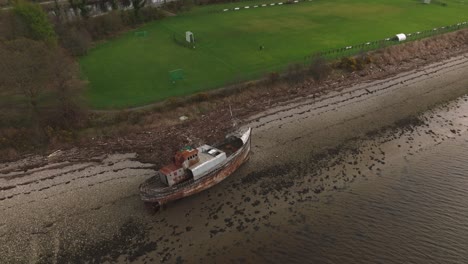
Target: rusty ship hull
(154, 191)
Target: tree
(137, 5)
(319, 68)
(58, 12)
(126, 3)
(67, 88)
(105, 4)
(44, 77)
(75, 39)
(22, 68)
(82, 6)
(36, 21)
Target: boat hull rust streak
(192, 187)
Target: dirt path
(77, 211)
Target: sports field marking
(262, 5)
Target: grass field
(133, 71)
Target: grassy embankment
(133, 71)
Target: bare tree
(80, 7)
(45, 77)
(319, 68)
(22, 69)
(67, 87)
(137, 5)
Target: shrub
(8, 154)
(362, 60)
(174, 102)
(76, 36)
(295, 73)
(273, 77)
(134, 117)
(11, 27)
(81, 7)
(319, 68)
(128, 18)
(36, 21)
(200, 97)
(104, 26)
(21, 138)
(348, 63)
(148, 14)
(76, 40)
(58, 135)
(178, 6)
(207, 2)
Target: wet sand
(303, 152)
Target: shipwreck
(196, 169)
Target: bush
(81, 7)
(128, 18)
(36, 21)
(67, 117)
(174, 102)
(11, 27)
(135, 117)
(104, 26)
(362, 60)
(200, 97)
(76, 40)
(77, 36)
(273, 77)
(207, 2)
(21, 138)
(319, 68)
(58, 135)
(178, 6)
(8, 154)
(295, 73)
(348, 63)
(148, 14)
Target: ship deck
(236, 149)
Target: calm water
(415, 212)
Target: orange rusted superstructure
(155, 190)
(186, 154)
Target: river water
(415, 212)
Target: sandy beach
(90, 211)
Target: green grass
(132, 71)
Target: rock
(183, 118)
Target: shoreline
(89, 209)
(155, 134)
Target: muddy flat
(305, 154)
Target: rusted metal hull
(154, 193)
